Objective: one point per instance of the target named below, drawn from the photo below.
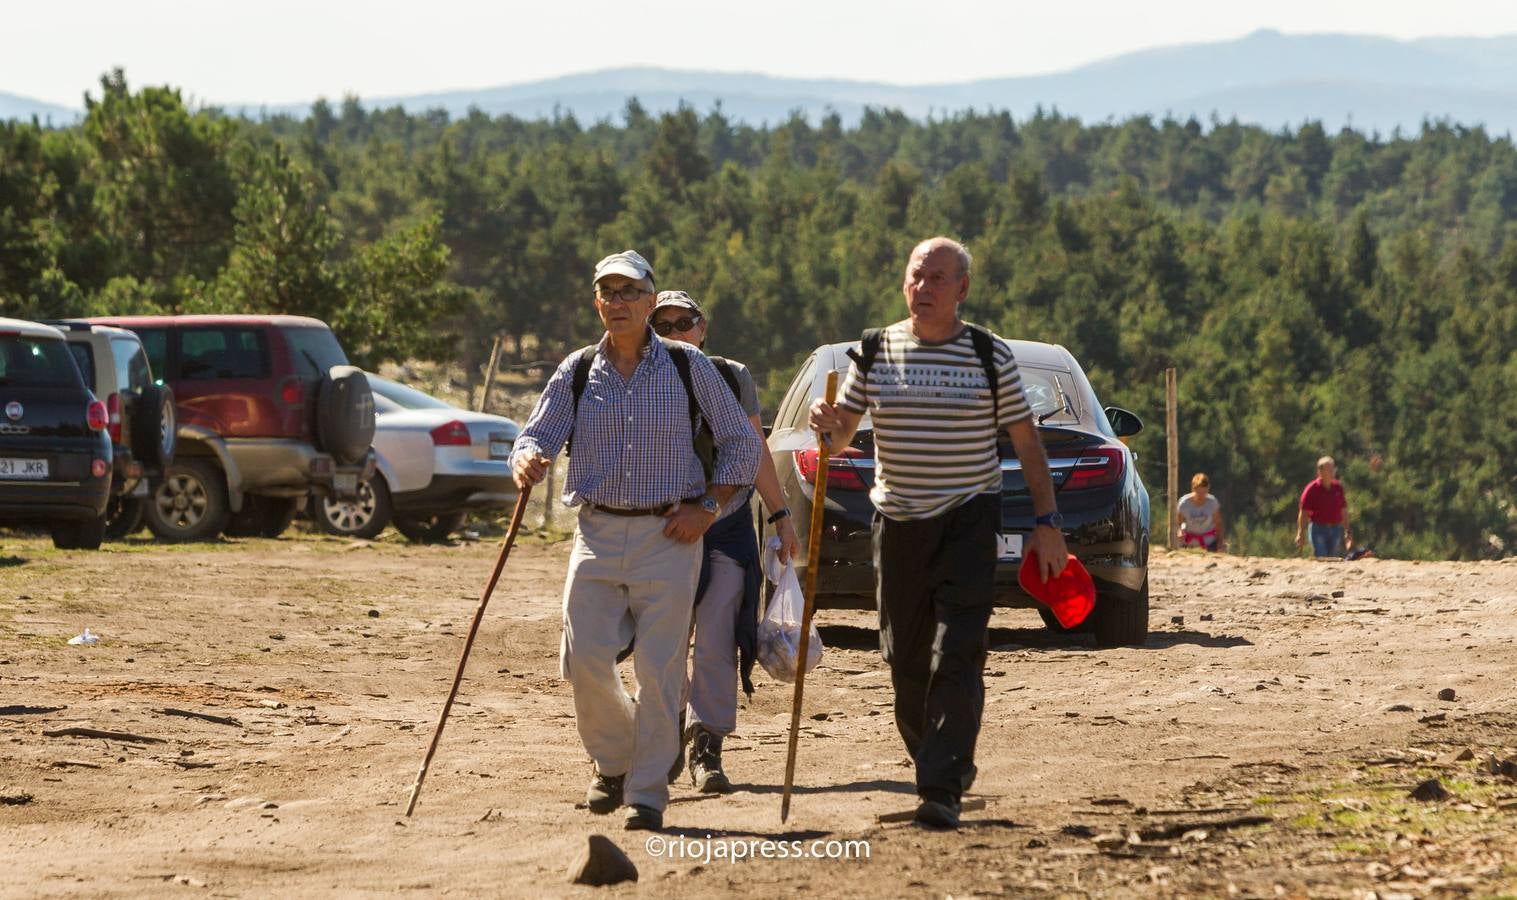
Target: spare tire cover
(154, 430)
(345, 414)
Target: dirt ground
(1262, 744)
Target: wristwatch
(1053, 520)
(709, 504)
(782, 513)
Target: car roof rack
(67, 324)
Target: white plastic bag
(779, 633)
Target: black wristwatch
(780, 513)
(1053, 520)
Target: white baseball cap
(629, 263)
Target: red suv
(268, 411)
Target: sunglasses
(683, 323)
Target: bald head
(959, 251)
(937, 281)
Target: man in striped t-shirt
(938, 491)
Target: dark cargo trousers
(935, 586)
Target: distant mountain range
(1267, 78)
(13, 106)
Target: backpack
(703, 439)
(984, 348)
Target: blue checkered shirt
(632, 439)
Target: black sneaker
(643, 818)
(706, 763)
(941, 815)
(605, 793)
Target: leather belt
(618, 511)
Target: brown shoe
(643, 818)
(706, 763)
(605, 793)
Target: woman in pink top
(1325, 509)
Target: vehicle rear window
(223, 352)
(131, 364)
(84, 358)
(314, 350)
(1052, 394)
(29, 361)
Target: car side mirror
(1124, 423)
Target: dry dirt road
(1262, 744)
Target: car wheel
(1052, 621)
(365, 516)
(123, 516)
(429, 529)
(1122, 621)
(190, 504)
(85, 534)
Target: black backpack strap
(985, 349)
(869, 348)
(577, 385)
(729, 375)
(682, 366)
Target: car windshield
(30, 361)
(401, 396)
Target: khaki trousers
(627, 581)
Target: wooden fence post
(484, 394)
(1172, 440)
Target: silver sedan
(436, 462)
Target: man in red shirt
(1325, 507)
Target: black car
(1100, 495)
(55, 450)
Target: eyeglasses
(683, 323)
(626, 293)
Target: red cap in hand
(1070, 595)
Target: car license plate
(500, 449)
(346, 482)
(1011, 547)
(23, 469)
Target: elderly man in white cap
(628, 410)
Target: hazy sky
(279, 51)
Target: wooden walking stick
(813, 562)
(463, 660)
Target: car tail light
(1095, 467)
(841, 474)
(113, 413)
(97, 417)
(451, 434)
(99, 467)
(292, 392)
